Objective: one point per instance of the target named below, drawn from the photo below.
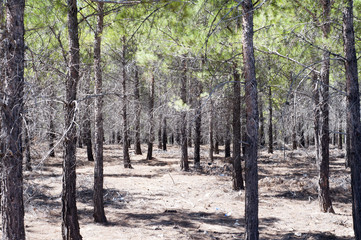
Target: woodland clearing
(156, 200)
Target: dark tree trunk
(197, 126)
(51, 136)
(151, 120)
(189, 133)
(165, 136)
(99, 214)
(323, 177)
(86, 131)
(70, 224)
(184, 141)
(340, 132)
(160, 133)
(353, 114)
(138, 109)
(211, 123)
(251, 173)
(270, 123)
(262, 138)
(27, 143)
(316, 112)
(12, 206)
(237, 167)
(126, 157)
(227, 142)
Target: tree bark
(197, 126)
(340, 137)
(126, 157)
(262, 140)
(99, 214)
(353, 114)
(211, 123)
(151, 119)
(51, 135)
(27, 143)
(184, 141)
(138, 109)
(86, 131)
(237, 167)
(165, 136)
(270, 123)
(160, 133)
(70, 224)
(251, 169)
(12, 206)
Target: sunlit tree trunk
(12, 206)
(99, 214)
(70, 224)
(251, 169)
(353, 114)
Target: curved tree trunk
(70, 224)
(353, 114)
(12, 206)
(99, 214)
(251, 169)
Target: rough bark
(353, 114)
(211, 130)
(197, 126)
(236, 124)
(270, 123)
(183, 119)
(151, 119)
(98, 213)
(70, 224)
(160, 133)
(126, 157)
(12, 206)
(251, 169)
(138, 109)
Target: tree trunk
(184, 141)
(251, 196)
(27, 143)
(70, 224)
(270, 123)
(12, 206)
(211, 123)
(227, 141)
(316, 112)
(138, 110)
(124, 110)
(51, 136)
(237, 167)
(99, 214)
(165, 136)
(262, 140)
(160, 133)
(353, 114)
(86, 131)
(340, 132)
(151, 120)
(197, 126)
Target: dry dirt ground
(156, 200)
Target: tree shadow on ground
(304, 236)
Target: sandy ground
(156, 200)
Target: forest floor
(156, 200)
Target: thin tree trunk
(124, 110)
(227, 141)
(51, 136)
(86, 131)
(316, 111)
(151, 120)
(251, 169)
(165, 136)
(237, 167)
(70, 224)
(270, 123)
(184, 141)
(353, 114)
(340, 132)
(138, 109)
(27, 143)
(99, 214)
(160, 133)
(12, 206)
(197, 126)
(262, 140)
(211, 123)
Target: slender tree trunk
(197, 126)
(211, 123)
(138, 110)
(237, 167)
(151, 120)
(124, 110)
(316, 111)
(294, 127)
(160, 133)
(70, 224)
(12, 206)
(184, 141)
(165, 136)
(340, 132)
(86, 131)
(99, 214)
(262, 140)
(51, 136)
(27, 143)
(353, 114)
(227, 141)
(251, 169)
(270, 123)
